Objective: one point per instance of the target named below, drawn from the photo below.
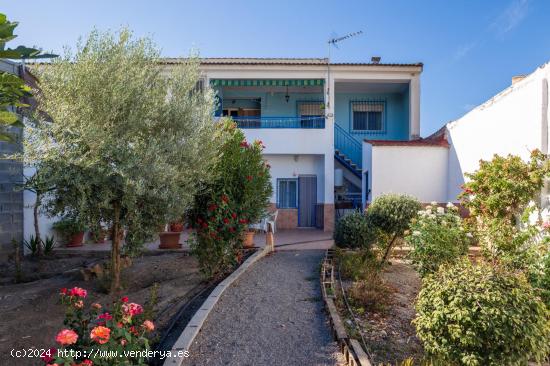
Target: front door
(307, 200)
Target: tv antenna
(334, 42)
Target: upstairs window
(287, 193)
(367, 116)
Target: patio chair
(271, 219)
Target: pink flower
(148, 325)
(546, 225)
(97, 306)
(123, 342)
(87, 363)
(78, 292)
(132, 309)
(66, 337)
(79, 304)
(244, 144)
(63, 291)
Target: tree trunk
(36, 226)
(388, 250)
(115, 249)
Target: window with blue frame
(287, 193)
(367, 116)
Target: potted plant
(71, 230)
(176, 226)
(248, 238)
(99, 235)
(170, 239)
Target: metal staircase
(347, 150)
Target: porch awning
(267, 82)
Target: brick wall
(11, 198)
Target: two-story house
(313, 117)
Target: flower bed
(33, 313)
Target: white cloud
(511, 17)
(463, 50)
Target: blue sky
(470, 49)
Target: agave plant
(49, 244)
(33, 244)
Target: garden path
(272, 315)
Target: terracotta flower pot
(169, 240)
(248, 240)
(176, 227)
(76, 240)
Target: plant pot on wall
(169, 240)
(248, 239)
(76, 240)
(176, 227)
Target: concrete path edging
(192, 329)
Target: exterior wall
(513, 122)
(291, 166)
(44, 223)
(396, 116)
(419, 171)
(11, 177)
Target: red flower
(199, 220)
(232, 229)
(204, 225)
(133, 330)
(225, 198)
(249, 178)
(243, 221)
(212, 207)
(87, 363)
(104, 317)
(234, 215)
(63, 291)
(124, 299)
(244, 144)
(213, 235)
(78, 292)
(49, 355)
(225, 220)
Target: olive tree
(124, 140)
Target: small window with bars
(367, 116)
(287, 193)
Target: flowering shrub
(236, 197)
(436, 236)
(478, 314)
(391, 214)
(95, 330)
(354, 231)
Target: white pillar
(329, 151)
(414, 107)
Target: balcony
(313, 122)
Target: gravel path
(272, 315)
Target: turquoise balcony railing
(348, 148)
(280, 122)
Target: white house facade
(515, 121)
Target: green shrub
(392, 215)
(354, 231)
(436, 236)
(477, 314)
(357, 265)
(67, 227)
(33, 245)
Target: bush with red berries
(237, 196)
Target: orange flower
(66, 337)
(96, 306)
(148, 325)
(100, 334)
